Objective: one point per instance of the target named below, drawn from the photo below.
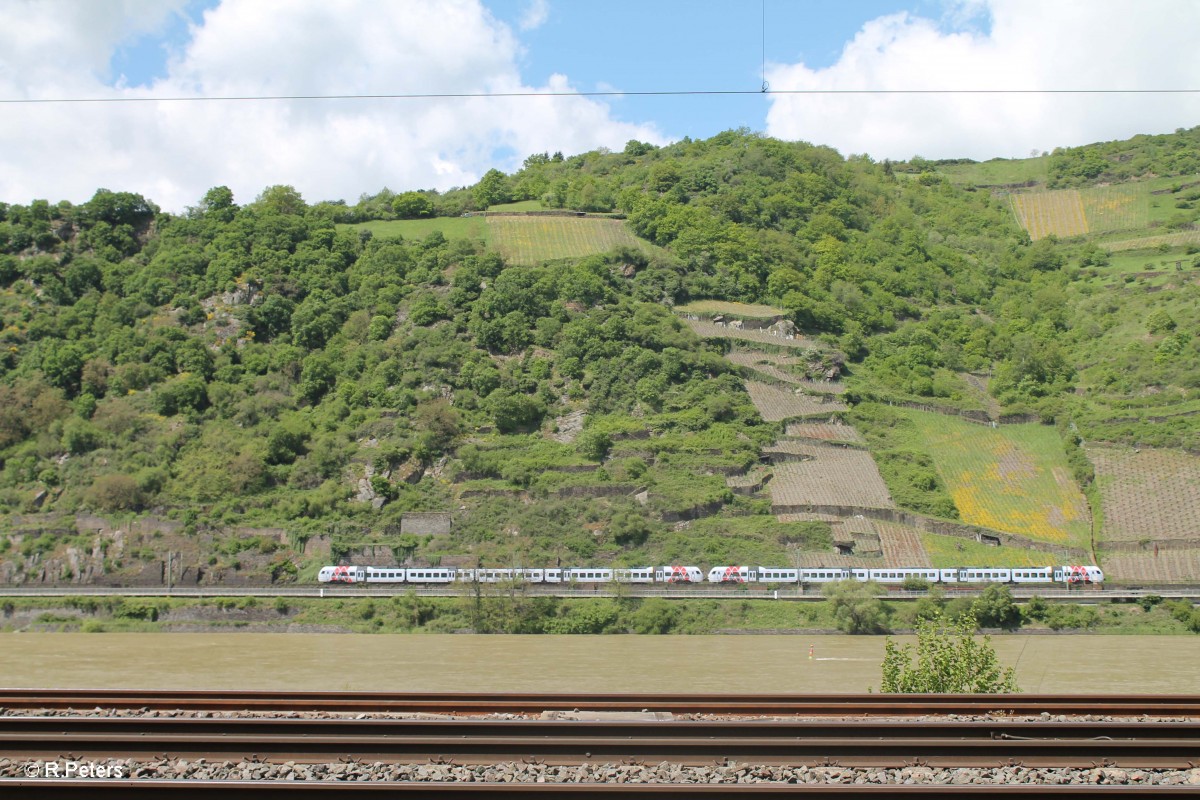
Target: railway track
(468, 703)
(268, 744)
(847, 743)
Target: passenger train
(684, 575)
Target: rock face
(62, 550)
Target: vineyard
(902, 546)
(1150, 242)
(832, 476)
(534, 239)
(1148, 494)
(775, 404)
(1163, 566)
(1058, 212)
(825, 431)
(1121, 207)
(1014, 478)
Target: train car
(1072, 575)
(634, 575)
(678, 575)
(901, 574)
(753, 575)
(983, 575)
(587, 575)
(732, 575)
(518, 575)
(430, 575)
(342, 575)
(385, 574)
(823, 574)
(1033, 575)
(778, 575)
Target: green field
(532, 240)
(520, 205)
(1013, 478)
(954, 551)
(520, 239)
(997, 172)
(450, 227)
(709, 308)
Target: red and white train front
(342, 575)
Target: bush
(856, 606)
(949, 660)
(994, 608)
(114, 493)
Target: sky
(165, 97)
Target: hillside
(736, 353)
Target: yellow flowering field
(1011, 478)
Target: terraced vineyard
(776, 405)
(1149, 242)
(1013, 478)
(1163, 566)
(1058, 212)
(1148, 494)
(838, 560)
(833, 476)
(825, 431)
(533, 239)
(902, 545)
(1121, 207)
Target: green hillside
(259, 388)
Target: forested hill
(327, 369)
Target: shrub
(949, 659)
(114, 493)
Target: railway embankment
(743, 612)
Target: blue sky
(638, 45)
(134, 51)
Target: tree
(412, 205)
(280, 199)
(994, 608)
(949, 660)
(856, 606)
(492, 189)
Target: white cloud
(1031, 44)
(535, 15)
(172, 152)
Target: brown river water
(1077, 664)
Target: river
(1076, 664)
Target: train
(1068, 575)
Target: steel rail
(847, 743)
(531, 703)
(268, 790)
